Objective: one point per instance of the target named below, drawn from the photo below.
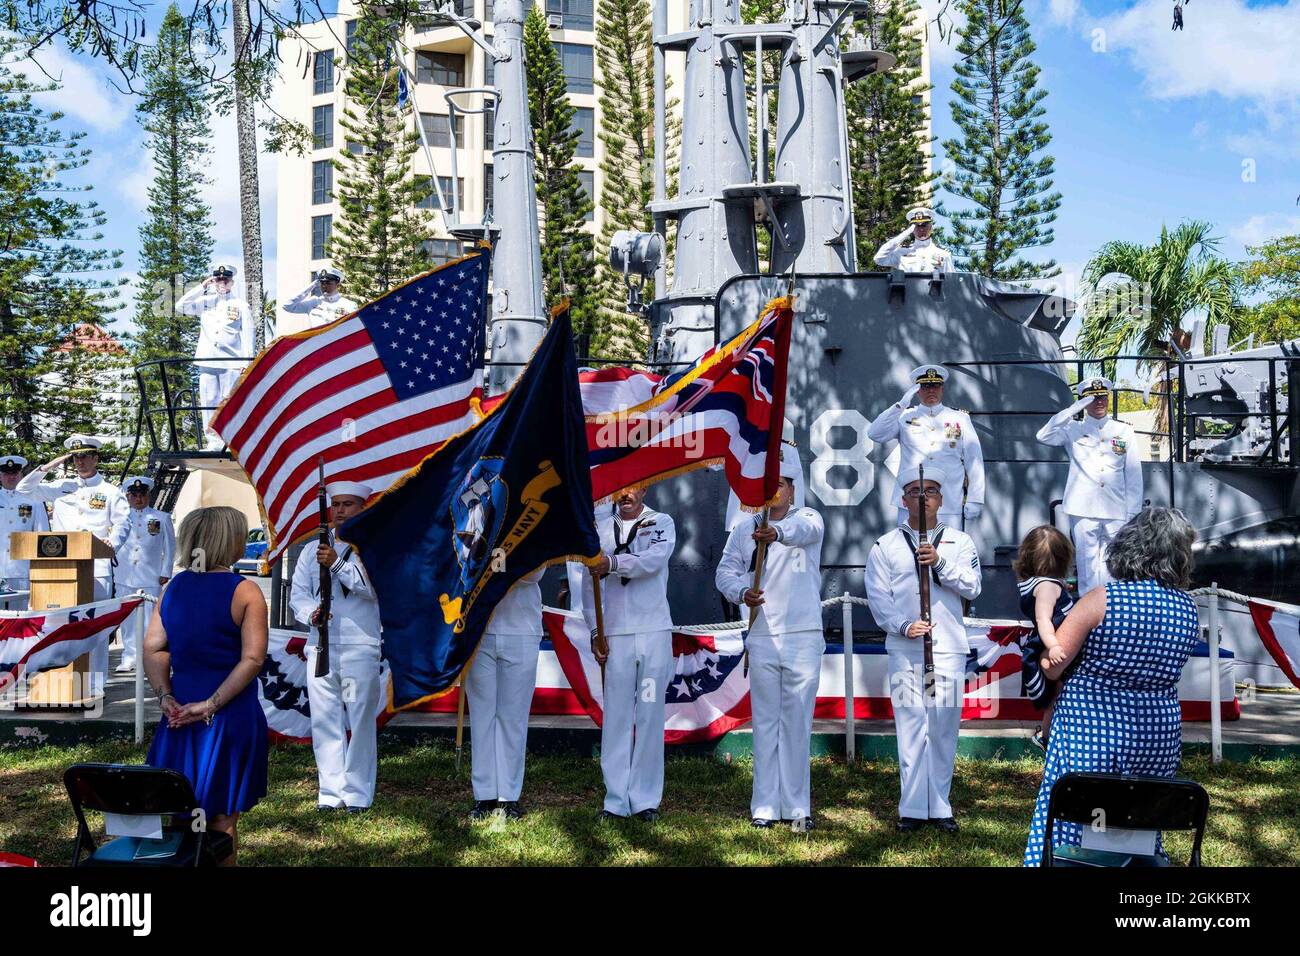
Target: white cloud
(1226, 47)
(85, 92)
(1063, 11)
(1258, 229)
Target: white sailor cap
(920, 214)
(929, 375)
(790, 465)
(80, 443)
(329, 272)
(223, 270)
(1092, 387)
(13, 461)
(911, 475)
(354, 488)
(144, 481)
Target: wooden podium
(62, 574)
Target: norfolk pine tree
(1001, 171)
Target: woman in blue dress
(1118, 711)
(203, 651)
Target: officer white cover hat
(80, 443)
(144, 481)
(790, 466)
(920, 214)
(223, 270)
(1092, 387)
(929, 375)
(354, 488)
(329, 272)
(13, 461)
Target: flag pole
(760, 556)
(460, 719)
(600, 644)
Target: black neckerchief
(938, 533)
(625, 547)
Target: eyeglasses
(915, 493)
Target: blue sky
(1149, 126)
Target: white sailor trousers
(345, 699)
(133, 628)
(499, 689)
(1092, 538)
(927, 734)
(215, 383)
(784, 671)
(637, 675)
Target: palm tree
(1180, 272)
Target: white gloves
(910, 394)
(972, 510)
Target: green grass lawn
(419, 815)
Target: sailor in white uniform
(636, 543)
(347, 698)
(785, 647)
(85, 503)
(321, 301)
(922, 255)
(1104, 488)
(926, 724)
(144, 562)
(226, 339)
(19, 511)
(941, 439)
(499, 689)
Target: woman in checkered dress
(1118, 711)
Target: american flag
(373, 392)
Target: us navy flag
(501, 499)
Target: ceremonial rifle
(599, 644)
(923, 577)
(326, 585)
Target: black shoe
(482, 809)
(649, 815)
(909, 824)
(802, 825)
(605, 816)
(357, 810)
(946, 824)
(1039, 741)
(511, 809)
(760, 823)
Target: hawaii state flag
(34, 641)
(1279, 630)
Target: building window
(445, 69)
(320, 235)
(488, 180)
(584, 121)
(489, 71)
(442, 251)
(351, 28)
(430, 195)
(588, 180)
(489, 11)
(322, 126)
(576, 13)
(355, 148)
(437, 129)
(489, 127)
(577, 61)
(323, 73)
(322, 181)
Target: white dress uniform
(1104, 488)
(19, 511)
(347, 698)
(785, 654)
(499, 689)
(927, 729)
(944, 441)
(639, 628)
(320, 309)
(86, 504)
(923, 255)
(225, 332)
(146, 555)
